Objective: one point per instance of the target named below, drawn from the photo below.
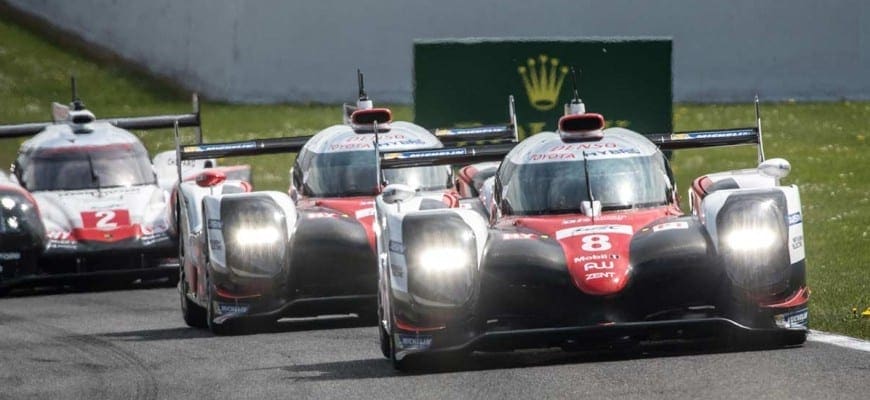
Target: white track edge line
(839, 340)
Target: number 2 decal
(596, 243)
(105, 219)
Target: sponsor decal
(794, 218)
(215, 224)
(220, 147)
(215, 244)
(592, 265)
(599, 229)
(315, 215)
(479, 130)
(149, 240)
(671, 225)
(518, 236)
(60, 245)
(600, 275)
(426, 153)
(797, 242)
(365, 212)
(792, 319)
(59, 235)
(397, 271)
(397, 247)
(233, 308)
(596, 257)
(10, 256)
(414, 342)
(712, 135)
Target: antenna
(758, 127)
(576, 105)
(576, 98)
(363, 103)
(360, 80)
(378, 173)
(77, 103)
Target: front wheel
(194, 315)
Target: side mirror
(397, 193)
(209, 178)
(776, 168)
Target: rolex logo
(543, 79)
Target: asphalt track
(132, 344)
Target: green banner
(467, 81)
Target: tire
(386, 341)
(194, 315)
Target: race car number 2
(105, 219)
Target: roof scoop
(577, 125)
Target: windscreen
(560, 187)
(427, 178)
(100, 168)
(353, 173)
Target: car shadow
(253, 328)
(381, 368)
(85, 287)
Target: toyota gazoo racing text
(586, 245)
(82, 200)
(266, 255)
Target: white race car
(96, 192)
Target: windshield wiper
(94, 177)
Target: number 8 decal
(596, 243)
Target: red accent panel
(107, 235)
(227, 295)
(596, 251)
(360, 208)
(411, 328)
(801, 297)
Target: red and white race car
(586, 245)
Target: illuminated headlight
(750, 239)
(442, 259)
(12, 222)
(264, 236)
(7, 203)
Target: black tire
(386, 341)
(194, 314)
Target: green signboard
(468, 81)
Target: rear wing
(204, 151)
(714, 138)
(445, 156)
(451, 136)
(507, 132)
(146, 122)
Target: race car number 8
(596, 243)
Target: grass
(825, 142)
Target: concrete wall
(285, 50)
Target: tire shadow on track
(381, 368)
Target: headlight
(7, 202)
(442, 259)
(263, 236)
(750, 239)
(753, 235)
(441, 252)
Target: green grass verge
(825, 142)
